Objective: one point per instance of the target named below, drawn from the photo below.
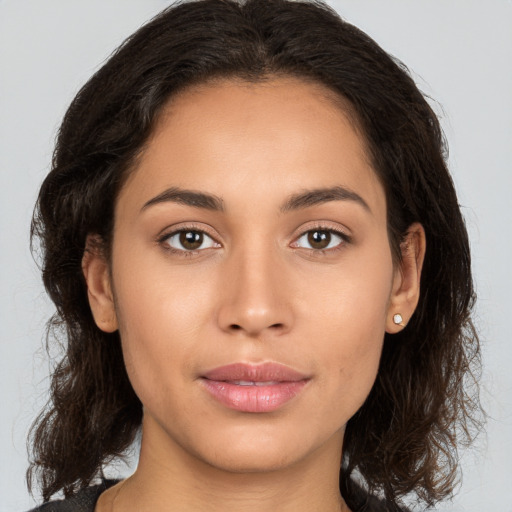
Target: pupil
(319, 239)
(191, 239)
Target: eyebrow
(188, 198)
(317, 196)
(299, 201)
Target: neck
(169, 478)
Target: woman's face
(252, 231)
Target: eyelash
(345, 239)
(189, 253)
(182, 252)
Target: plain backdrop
(460, 53)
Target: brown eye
(319, 239)
(191, 240)
(187, 240)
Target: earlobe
(99, 289)
(406, 283)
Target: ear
(406, 281)
(99, 289)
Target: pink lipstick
(254, 388)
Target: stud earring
(398, 320)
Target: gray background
(461, 54)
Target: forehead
(267, 139)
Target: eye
(321, 239)
(188, 240)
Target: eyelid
(169, 232)
(323, 226)
(184, 226)
(192, 226)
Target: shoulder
(83, 501)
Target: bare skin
(310, 286)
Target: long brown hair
(425, 399)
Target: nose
(255, 296)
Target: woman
(258, 259)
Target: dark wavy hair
(424, 402)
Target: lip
(254, 388)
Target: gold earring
(398, 320)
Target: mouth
(254, 388)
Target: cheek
(350, 355)
(350, 363)
(350, 325)
(163, 313)
(353, 300)
(148, 313)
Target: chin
(252, 460)
(260, 450)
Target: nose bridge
(255, 293)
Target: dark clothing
(85, 501)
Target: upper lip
(265, 372)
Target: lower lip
(253, 398)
